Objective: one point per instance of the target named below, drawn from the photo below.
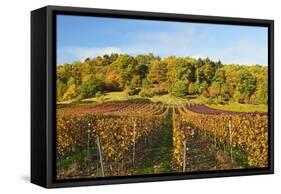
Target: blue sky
(79, 37)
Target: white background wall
(15, 94)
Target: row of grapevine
(246, 131)
(182, 132)
(117, 132)
(101, 108)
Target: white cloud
(243, 52)
(199, 44)
(190, 41)
(177, 37)
(70, 54)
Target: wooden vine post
(88, 148)
(88, 141)
(230, 139)
(100, 156)
(97, 152)
(205, 133)
(184, 156)
(134, 143)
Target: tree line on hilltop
(149, 75)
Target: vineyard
(126, 138)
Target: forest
(149, 75)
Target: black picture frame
(43, 94)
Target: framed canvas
(126, 96)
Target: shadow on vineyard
(236, 154)
(203, 155)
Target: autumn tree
(70, 93)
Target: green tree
(217, 86)
(209, 70)
(157, 78)
(262, 92)
(179, 89)
(247, 84)
(90, 87)
(184, 71)
(146, 90)
(135, 85)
